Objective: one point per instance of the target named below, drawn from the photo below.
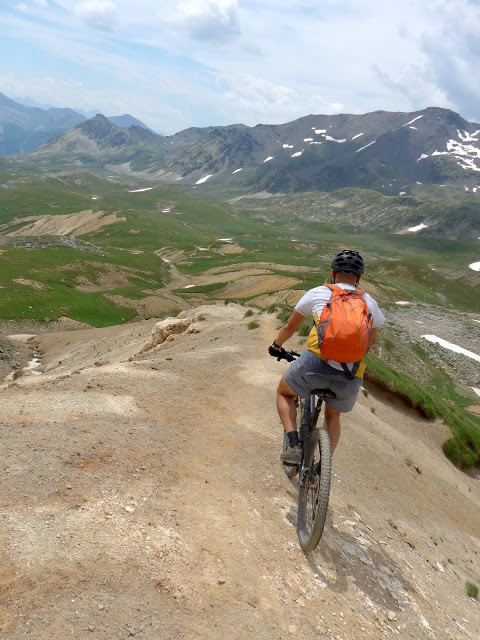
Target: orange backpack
(344, 328)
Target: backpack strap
(350, 374)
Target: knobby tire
(313, 496)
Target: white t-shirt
(315, 299)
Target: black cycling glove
(278, 353)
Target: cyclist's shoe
(292, 455)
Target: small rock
(221, 581)
(129, 509)
(391, 616)
(431, 561)
(168, 358)
(91, 627)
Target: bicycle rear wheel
(314, 489)
(292, 469)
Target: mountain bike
(315, 469)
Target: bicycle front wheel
(314, 489)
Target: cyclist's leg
(346, 397)
(286, 406)
(332, 425)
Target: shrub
(373, 410)
(253, 325)
(304, 328)
(284, 315)
(365, 393)
(272, 308)
(472, 590)
(248, 313)
(200, 317)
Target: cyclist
(347, 270)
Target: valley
(142, 491)
(102, 252)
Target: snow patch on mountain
(452, 347)
(465, 154)
(204, 179)
(367, 145)
(419, 227)
(412, 121)
(334, 139)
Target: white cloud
(100, 14)
(199, 62)
(215, 20)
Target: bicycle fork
(308, 426)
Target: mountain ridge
(24, 128)
(386, 151)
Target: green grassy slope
(50, 276)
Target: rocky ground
(142, 497)
(409, 323)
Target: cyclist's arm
(289, 329)
(374, 336)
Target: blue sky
(181, 63)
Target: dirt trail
(142, 497)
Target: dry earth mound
(73, 224)
(142, 497)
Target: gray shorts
(310, 372)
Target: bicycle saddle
(324, 393)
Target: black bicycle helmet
(348, 261)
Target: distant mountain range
(24, 128)
(385, 151)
